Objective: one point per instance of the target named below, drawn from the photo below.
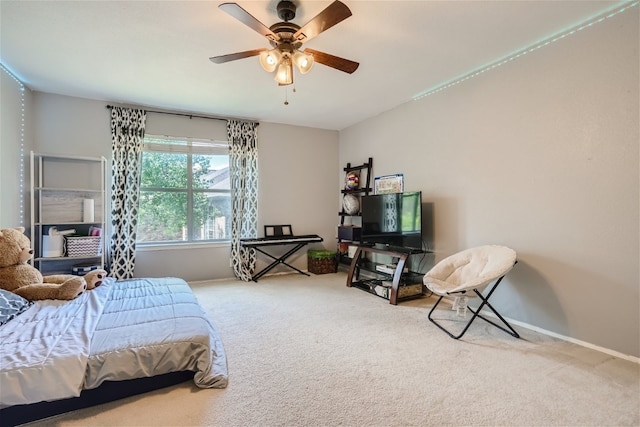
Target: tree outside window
(184, 191)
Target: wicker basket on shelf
(82, 246)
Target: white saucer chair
(467, 274)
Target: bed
(121, 338)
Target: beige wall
(14, 139)
(293, 189)
(540, 155)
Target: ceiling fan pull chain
(286, 101)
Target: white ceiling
(156, 53)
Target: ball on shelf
(350, 204)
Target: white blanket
(44, 351)
(119, 331)
(152, 327)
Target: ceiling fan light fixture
(269, 59)
(304, 61)
(287, 37)
(284, 75)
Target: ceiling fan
(286, 38)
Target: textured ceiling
(155, 54)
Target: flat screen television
(393, 220)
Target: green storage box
(322, 261)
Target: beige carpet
(308, 351)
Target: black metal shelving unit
(348, 233)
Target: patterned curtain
(127, 132)
(243, 167)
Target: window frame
(188, 146)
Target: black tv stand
(408, 251)
(396, 277)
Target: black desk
(297, 241)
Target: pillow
(11, 305)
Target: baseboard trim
(589, 345)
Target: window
(184, 191)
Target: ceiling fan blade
(333, 61)
(247, 19)
(334, 13)
(233, 56)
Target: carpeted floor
(308, 351)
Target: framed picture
(389, 184)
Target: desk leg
(279, 260)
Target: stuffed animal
(19, 277)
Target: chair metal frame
(476, 313)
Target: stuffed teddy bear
(19, 277)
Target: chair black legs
(476, 313)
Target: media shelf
(396, 285)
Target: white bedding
(45, 350)
(151, 327)
(118, 331)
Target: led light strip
(524, 51)
(22, 159)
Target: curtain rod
(191, 116)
